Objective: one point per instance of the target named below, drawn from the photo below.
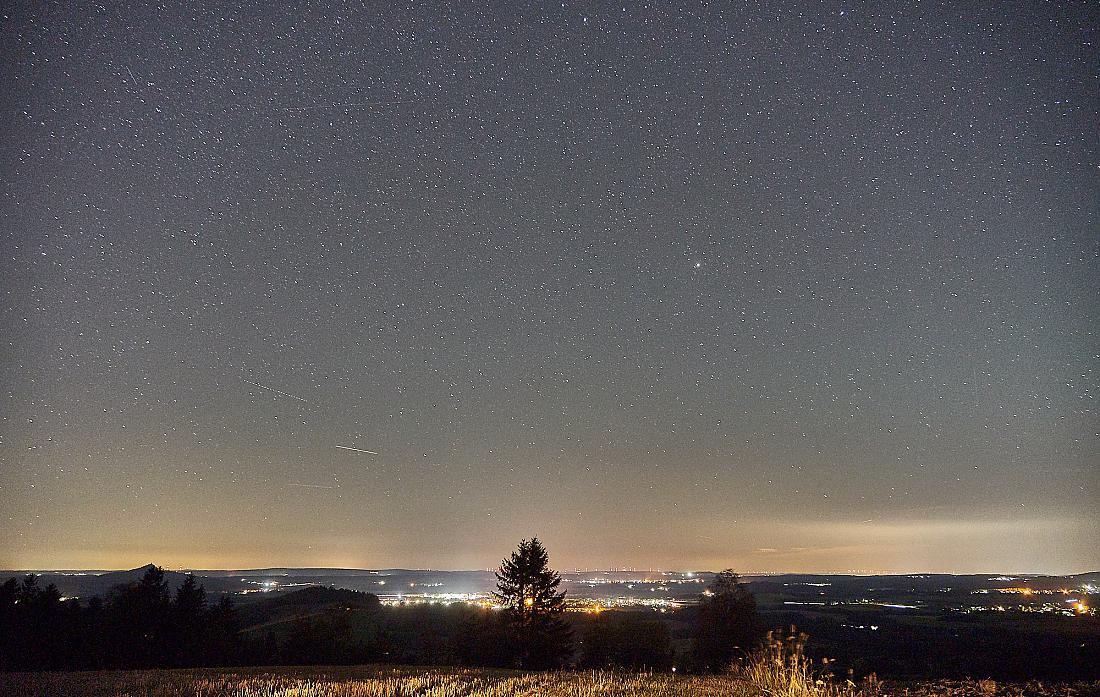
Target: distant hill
(284, 571)
(1091, 577)
(76, 584)
(771, 589)
(286, 606)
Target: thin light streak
(358, 450)
(345, 105)
(272, 389)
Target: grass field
(374, 681)
(361, 682)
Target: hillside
(306, 602)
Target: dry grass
(782, 671)
(991, 688)
(364, 682)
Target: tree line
(143, 625)
(137, 625)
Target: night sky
(778, 287)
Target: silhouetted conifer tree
(224, 642)
(139, 622)
(9, 626)
(528, 589)
(190, 623)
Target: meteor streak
(348, 447)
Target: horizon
(198, 571)
(909, 543)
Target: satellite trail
(346, 105)
(272, 389)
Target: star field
(798, 287)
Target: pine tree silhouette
(190, 623)
(528, 589)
